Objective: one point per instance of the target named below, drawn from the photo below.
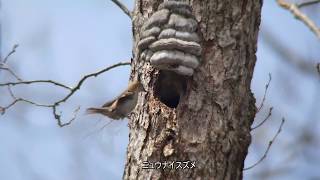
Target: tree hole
(170, 88)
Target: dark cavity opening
(170, 88)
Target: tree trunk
(211, 124)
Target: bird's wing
(113, 104)
(125, 96)
(109, 103)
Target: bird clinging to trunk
(121, 106)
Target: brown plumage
(121, 106)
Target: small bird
(121, 106)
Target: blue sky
(62, 40)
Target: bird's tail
(95, 111)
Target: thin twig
(3, 109)
(268, 148)
(307, 3)
(55, 105)
(265, 93)
(57, 116)
(36, 81)
(77, 87)
(6, 68)
(16, 100)
(25, 100)
(265, 119)
(294, 9)
(123, 8)
(10, 53)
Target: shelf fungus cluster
(169, 40)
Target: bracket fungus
(169, 40)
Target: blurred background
(64, 40)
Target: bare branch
(77, 87)
(123, 8)
(16, 100)
(58, 116)
(268, 148)
(287, 55)
(307, 3)
(4, 66)
(10, 53)
(25, 100)
(294, 9)
(265, 119)
(3, 109)
(34, 82)
(265, 93)
(55, 105)
(8, 69)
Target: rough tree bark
(211, 124)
